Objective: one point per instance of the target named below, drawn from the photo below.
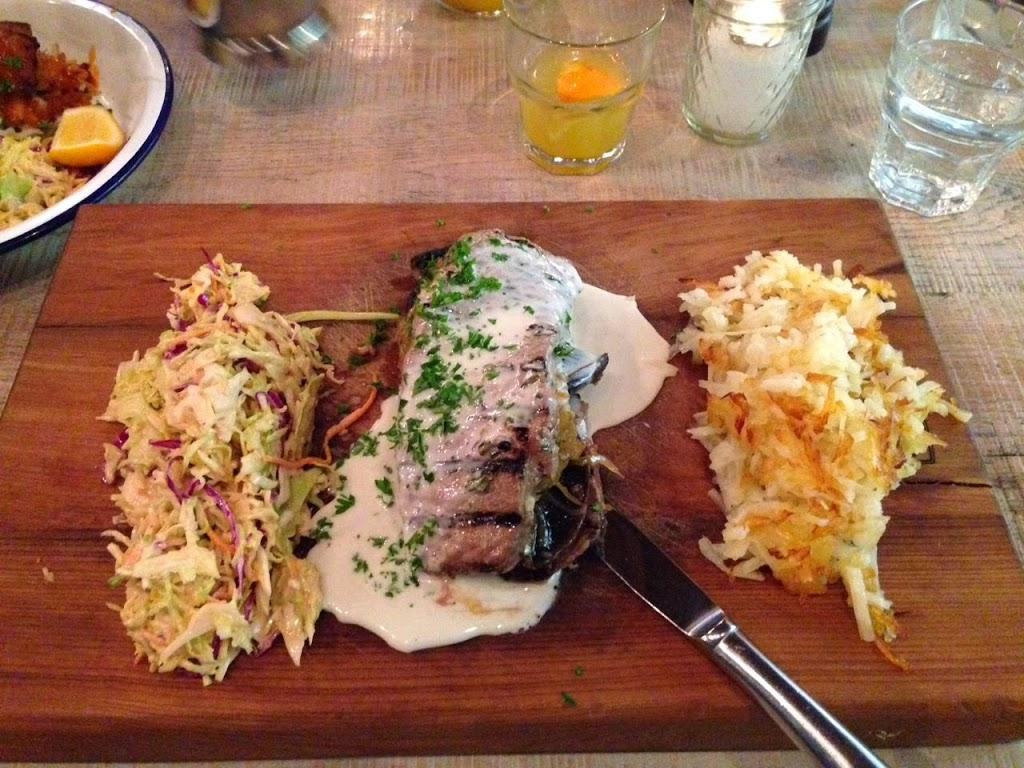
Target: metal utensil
(662, 584)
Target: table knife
(668, 590)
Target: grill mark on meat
(501, 519)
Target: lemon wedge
(580, 81)
(86, 136)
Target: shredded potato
(812, 418)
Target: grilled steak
(487, 424)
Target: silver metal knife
(662, 584)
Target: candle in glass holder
(746, 55)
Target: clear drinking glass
(579, 68)
(745, 58)
(953, 105)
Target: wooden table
(412, 104)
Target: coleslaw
(213, 490)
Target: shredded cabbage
(211, 519)
(812, 419)
(29, 182)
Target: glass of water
(953, 105)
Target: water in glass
(952, 109)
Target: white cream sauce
(637, 356)
(355, 572)
(437, 611)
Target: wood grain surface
(68, 689)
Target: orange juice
(483, 7)
(576, 106)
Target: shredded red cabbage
(171, 445)
(177, 349)
(213, 266)
(174, 488)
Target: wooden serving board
(69, 690)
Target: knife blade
(663, 585)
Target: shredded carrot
(341, 426)
(890, 656)
(348, 421)
(219, 543)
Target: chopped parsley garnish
(343, 502)
(440, 223)
(394, 433)
(499, 256)
(495, 241)
(401, 564)
(432, 374)
(245, 206)
(483, 285)
(379, 334)
(568, 700)
(385, 491)
(322, 530)
(567, 318)
(355, 360)
(578, 671)
(528, 309)
(474, 340)
(14, 62)
(445, 425)
(563, 349)
(415, 442)
(344, 409)
(361, 566)
(462, 282)
(365, 445)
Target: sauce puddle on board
(369, 571)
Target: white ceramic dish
(135, 81)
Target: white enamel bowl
(135, 81)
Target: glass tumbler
(579, 68)
(745, 58)
(953, 104)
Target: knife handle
(805, 721)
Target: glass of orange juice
(579, 68)
(474, 7)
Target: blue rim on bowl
(52, 218)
